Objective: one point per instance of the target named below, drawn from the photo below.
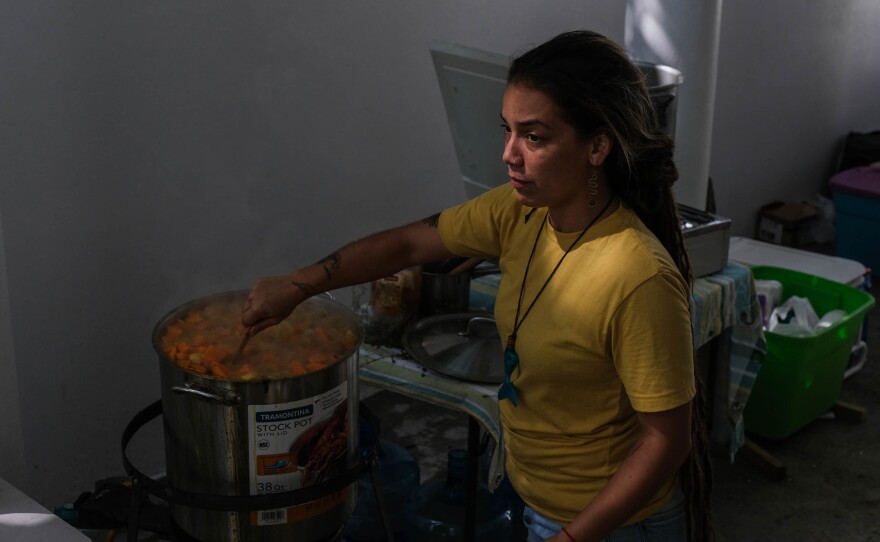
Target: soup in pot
(202, 340)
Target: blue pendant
(511, 360)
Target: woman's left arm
(663, 447)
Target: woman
(596, 404)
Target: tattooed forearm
(308, 289)
(432, 220)
(331, 264)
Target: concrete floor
(824, 484)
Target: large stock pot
(253, 427)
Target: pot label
(293, 445)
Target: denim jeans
(666, 525)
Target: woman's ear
(599, 148)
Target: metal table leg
(472, 481)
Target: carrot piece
(214, 354)
(248, 375)
(173, 331)
(193, 317)
(219, 370)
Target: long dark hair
(597, 87)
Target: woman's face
(547, 163)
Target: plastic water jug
(399, 475)
(438, 508)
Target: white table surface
(22, 519)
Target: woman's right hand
(272, 299)
(269, 302)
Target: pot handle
(227, 397)
(477, 324)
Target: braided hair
(598, 88)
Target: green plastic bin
(801, 377)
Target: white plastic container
(769, 296)
(752, 252)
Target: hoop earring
(593, 189)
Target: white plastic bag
(795, 316)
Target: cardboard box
(789, 223)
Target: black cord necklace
(511, 358)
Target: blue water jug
(438, 508)
(399, 475)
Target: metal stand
(141, 485)
(134, 512)
(380, 497)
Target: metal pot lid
(462, 345)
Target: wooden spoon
(241, 345)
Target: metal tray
(706, 239)
(462, 345)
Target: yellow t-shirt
(609, 335)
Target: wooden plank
(849, 412)
(764, 460)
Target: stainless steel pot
(245, 438)
(445, 288)
(444, 293)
